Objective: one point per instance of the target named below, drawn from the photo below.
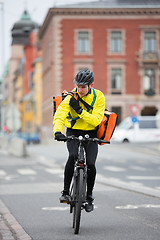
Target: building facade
(23, 81)
(117, 40)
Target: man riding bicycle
(79, 120)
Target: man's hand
(60, 136)
(75, 105)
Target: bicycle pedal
(63, 201)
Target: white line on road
(26, 171)
(114, 169)
(2, 173)
(54, 170)
(58, 208)
(130, 207)
(137, 168)
(55, 208)
(143, 177)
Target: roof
(25, 21)
(104, 8)
(113, 4)
(22, 28)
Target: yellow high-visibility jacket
(87, 120)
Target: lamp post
(3, 64)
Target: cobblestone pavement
(10, 229)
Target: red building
(30, 53)
(119, 41)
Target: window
(27, 125)
(147, 124)
(116, 80)
(82, 69)
(149, 81)
(150, 42)
(30, 80)
(116, 42)
(28, 107)
(83, 42)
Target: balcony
(148, 58)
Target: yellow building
(30, 105)
(27, 105)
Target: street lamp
(3, 64)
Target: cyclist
(86, 123)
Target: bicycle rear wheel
(78, 202)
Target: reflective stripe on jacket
(88, 120)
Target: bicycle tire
(71, 202)
(79, 200)
(74, 200)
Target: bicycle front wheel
(79, 201)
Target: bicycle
(77, 199)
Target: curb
(10, 229)
(116, 183)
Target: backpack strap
(89, 107)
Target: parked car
(138, 129)
(29, 137)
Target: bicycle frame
(79, 182)
(78, 189)
(80, 163)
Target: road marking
(2, 173)
(58, 208)
(10, 177)
(54, 170)
(143, 177)
(114, 169)
(137, 168)
(130, 207)
(26, 171)
(55, 208)
(4, 176)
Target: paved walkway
(10, 229)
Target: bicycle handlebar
(86, 138)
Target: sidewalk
(10, 229)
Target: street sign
(134, 119)
(134, 108)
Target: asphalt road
(127, 194)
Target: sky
(12, 12)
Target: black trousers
(91, 149)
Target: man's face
(83, 90)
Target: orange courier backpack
(56, 101)
(106, 127)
